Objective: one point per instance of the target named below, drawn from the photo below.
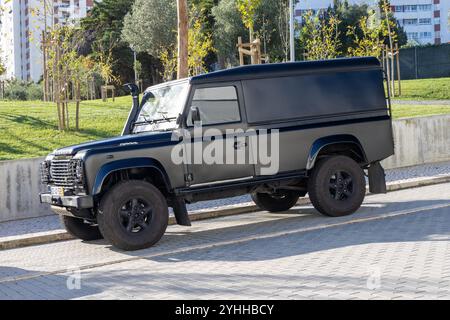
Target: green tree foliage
(320, 37)
(22, 90)
(102, 32)
(2, 67)
(228, 27)
(270, 25)
(200, 43)
(151, 26)
(247, 9)
(199, 47)
(361, 29)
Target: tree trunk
(77, 108)
(182, 71)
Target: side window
(216, 105)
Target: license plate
(57, 191)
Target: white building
(424, 21)
(21, 27)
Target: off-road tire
(118, 200)
(80, 229)
(332, 197)
(281, 202)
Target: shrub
(21, 90)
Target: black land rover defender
(325, 122)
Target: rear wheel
(275, 202)
(133, 215)
(337, 186)
(81, 229)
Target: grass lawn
(28, 129)
(425, 89)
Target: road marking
(235, 241)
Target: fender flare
(113, 166)
(321, 143)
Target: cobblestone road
(396, 246)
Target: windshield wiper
(153, 121)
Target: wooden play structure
(252, 49)
(104, 92)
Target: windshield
(161, 107)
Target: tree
(183, 39)
(2, 67)
(151, 26)
(369, 43)
(247, 9)
(320, 37)
(200, 42)
(270, 24)
(102, 29)
(228, 27)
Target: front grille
(62, 173)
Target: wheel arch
(151, 166)
(335, 143)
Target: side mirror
(195, 114)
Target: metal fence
(425, 62)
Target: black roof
(287, 68)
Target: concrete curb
(203, 215)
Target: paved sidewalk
(26, 228)
(397, 246)
(424, 102)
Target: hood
(143, 138)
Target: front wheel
(133, 215)
(337, 186)
(275, 202)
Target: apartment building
(424, 21)
(21, 26)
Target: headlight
(78, 171)
(45, 172)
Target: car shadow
(303, 231)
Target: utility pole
(182, 66)
(291, 30)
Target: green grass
(408, 110)
(425, 89)
(28, 129)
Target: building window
(399, 8)
(409, 21)
(424, 7)
(410, 8)
(425, 21)
(412, 35)
(425, 34)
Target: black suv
(285, 130)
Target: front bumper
(78, 202)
